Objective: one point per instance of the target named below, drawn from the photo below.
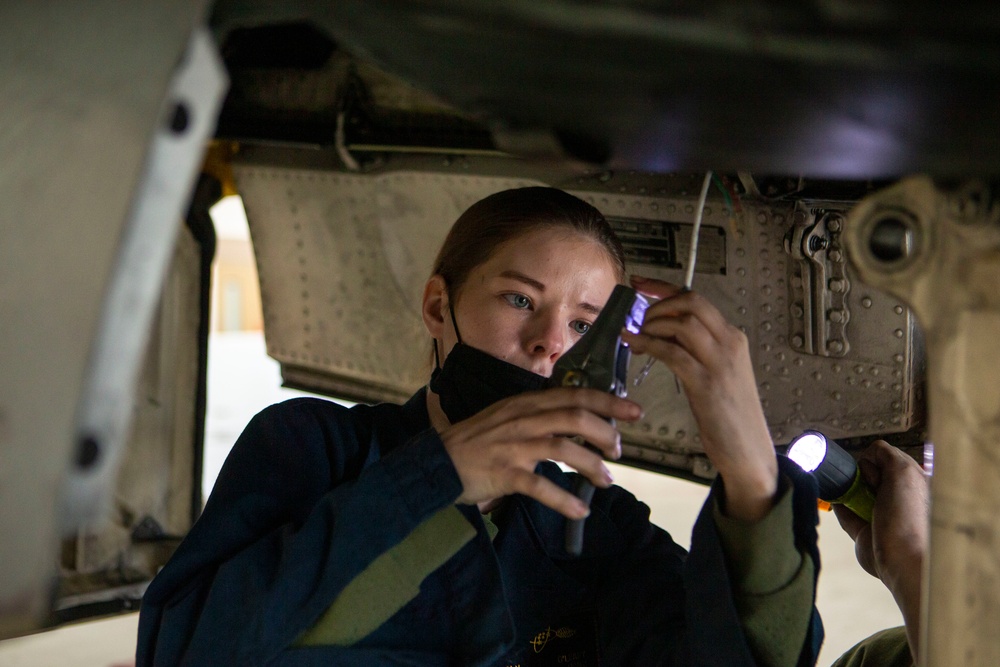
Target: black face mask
(472, 380)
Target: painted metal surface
(343, 258)
(83, 88)
(938, 249)
(140, 267)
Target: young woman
(432, 533)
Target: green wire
(725, 194)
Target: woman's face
(533, 298)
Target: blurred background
(242, 380)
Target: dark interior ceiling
(826, 88)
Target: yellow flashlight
(835, 470)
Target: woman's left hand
(711, 358)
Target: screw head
(817, 243)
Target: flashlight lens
(636, 314)
(808, 451)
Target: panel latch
(818, 284)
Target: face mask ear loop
(451, 310)
(437, 357)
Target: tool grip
(583, 490)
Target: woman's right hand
(495, 451)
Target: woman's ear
(435, 305)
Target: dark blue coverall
(313, 492)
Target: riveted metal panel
(343, 258)
(872, 389)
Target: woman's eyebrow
(527, 280)
(517, 275)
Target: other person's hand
(893, 545)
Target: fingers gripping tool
(599, 360)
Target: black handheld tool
(599, 360)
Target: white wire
(340, 143)
(693, 254)
(689, 275)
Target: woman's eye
(580, 327)
(518, 300)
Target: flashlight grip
(583, 490)
(858, 498)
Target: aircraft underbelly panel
(343, 258)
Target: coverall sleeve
(660, 606)
(773, 583)
(758, 596)
(304, 504)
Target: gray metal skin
(343, 258)
(94, 185)
(938, 249)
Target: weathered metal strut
(939, 250)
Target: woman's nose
(549, 338)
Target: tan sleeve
(887, 648)
(773, 583)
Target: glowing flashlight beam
(808, 451)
